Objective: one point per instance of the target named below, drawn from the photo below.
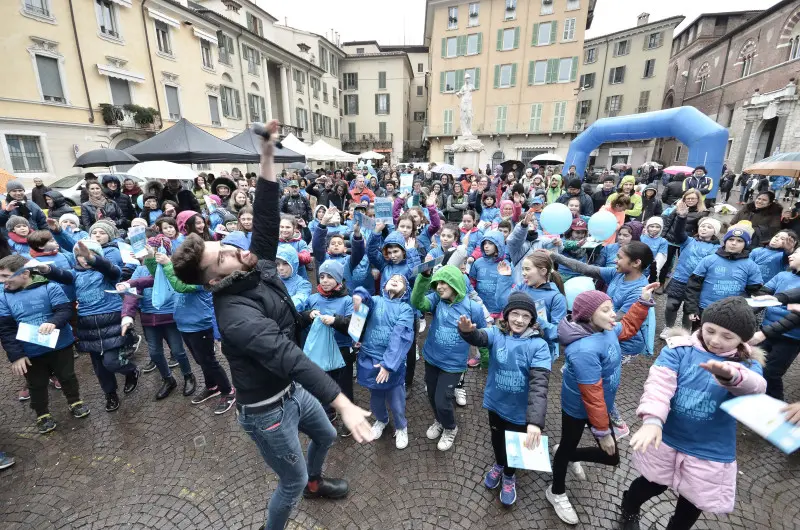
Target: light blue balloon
(602, 225)
(556, 218)
(140, 202)
(575, 286)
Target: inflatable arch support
(706, 139)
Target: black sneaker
(135, 342)
(225, 403)
(173, 363)
(45, 424)
(328, 488)
(79, 409)
(189, 385)
(166, 388)
(112, 402)
(205, 395)
(149, 367)
(630, 520)
(345, 432)
(132, 381)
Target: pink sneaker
(24, 394)
(474, 362)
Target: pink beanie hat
(506, 202)
(586, 304)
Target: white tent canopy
(371, 155)
(159, 169)
(323, 151)
(291, 142)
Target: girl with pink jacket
(687, 442)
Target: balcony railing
(641, 109)
(125, 119)
(286, 130)
(367, 141)
(40, 10)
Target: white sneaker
(377, 429)
(461, 397)
(563, 507)
(434, 431)
(447, 439)
(575, 467)
(664, 335)
(401, 438)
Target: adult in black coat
(186, 200)
(606, 188)
(674, 190)
(17, 204)
(112, 188)
(223, 188)
(57, 204)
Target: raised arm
(578, 266)
(266, 217)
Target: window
(590, 56)
(420, 68)
(547, 7)
(622, 47)
(299, 81)
(747, 66)
(419, 116)
(336, 128)
(703, 82)
(173, 102)
(473, 14)
(226, 48)
(351, 81)
(511, 10)
(452, 18)
(38, 7)
(572, 5)
(351, 105)
(583, 109)
(381, 103)
(106, 18)
(326, 126)
(474, 75)
(359, 51)
(587, 81)
(505, 75)
(381, 80)
(702, 76)
(255, 24)
(231, 105)
(201, 166)
(507, 39)
(613, 105)
(323, 58)
(655, 40)
(120, 91)
(351, 131)
(205, 52)
(335, 92)
(419, 90)
(162, 37)
(213, 109)
(382, 131)
(565, 69)
(536, 117)
(544, 33)
(678, 152)
(301, 115)
(316, 123)
(50, 79)
(502, 113)
(258, 111)
(26, 154)
(448, 121)
(448, 81)
(474, 44)
(324, 92)
(569, 30)
(314, 83)
(559, 114)
(451, 47)
(649, 68)
(644, 101)
(794, 48)
(616, 75)
(537, 72)
(253, 59)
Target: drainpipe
(602, 82)
(241, 71)
(80, 62)
(150, 61)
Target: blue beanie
(737, 231)
(333, 268)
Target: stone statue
(466, 106)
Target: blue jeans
(155, 336)
(275, 433)
(396, 397)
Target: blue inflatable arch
(706, 139)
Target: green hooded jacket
(449, 274)
(552, 194)
(636, 199)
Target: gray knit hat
(14, 185)
(733, 314)
(107, 227)
(15, 220)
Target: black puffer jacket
(184, 198)
(111, 212)
(60, 206)
(100, 333)
(259, 324)
(127, 211)
(673, 191)
(692, 220)
(766, 221)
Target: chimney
(642, 19)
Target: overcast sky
(402, 21)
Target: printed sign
(763, 415)
(357, 322)
(426, 266)
(383, 211)
(406, 182)
(520, 457)
(30, 333)
(138, 239)
(126, 251)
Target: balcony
(131, 117)
(286, 130)
(366, 141)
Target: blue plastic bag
(321, 347)
(162, 290)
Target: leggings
(641, 490)
(411, 358)
(441, 387)
(780, 356)
(671, 313)
(499, 426)
(568, 451)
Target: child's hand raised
(357, 230)
(503, 268)
(644, 437)
(647, 290)
(52, 224)
(379, 227)
(681, 209)
(465, 325)
(431, 200)
(721, 370)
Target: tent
(251, 142)
(371, 155)
(323, 151)
(292, 143)
(185, 143)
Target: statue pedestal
(466, 152)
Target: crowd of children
(471, 253)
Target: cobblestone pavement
(170, 465)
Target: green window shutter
(459, 79)
(441, 82)
(553, 31)
(444, 47)
(388, 101)
(530, 72)
(514, 74)
(516, 37)
(499, 40)
(574, 73)
(551, 76)
(496, 75)
(480, 42)
(376, 103)
(535, 37)
(238, 104)
(477, 80)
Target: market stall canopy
(185, 143)
(783, 165)
(371, 155)
(324, 152)
(251, 142)
(159, 169)
(292, 143)
(104, 158)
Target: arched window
(254, 87)
(794, 49)
(669, 101)
(498, 158)
(674, 74)
(746, 56)
(790, 36)
(227, 78)
(702, 76)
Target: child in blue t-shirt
(287, 264)
(658, 245)
(607, 257)
(687, 441)
(487, 208)
(483, 273)
(772, 258)
(516, 386)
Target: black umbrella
(185, 143)
(508, 165)
(251, 142)
(104, 158)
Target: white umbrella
(548, 158)
(323, 151)
(371, 155)
(159, 169)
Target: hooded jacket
(335, 303)
(587, 205)
(299, 288)
(90, 214)
(673, 191)
(719, 276)
(303, 254)
(356, 264)
(766, 221)
(223, 181)
(553, 194)
(122, 200)
(483, 273)
(650, 206)
(635, 211)
(296, 205)
(377, 243)
(60, 206)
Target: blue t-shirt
(608, 255)
(696, 424)
(692, 251)
(658, 245)
(782, 282)
(194, 311)
(770, 261)
(35, 306)
(724, 277)
(507, 384)
(444, 347)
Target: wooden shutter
(513, 74)
(553, 31)
(574, 73)
(441, 83)
(610, 75)
(477, 80)
(499, 40)
(459, 79)
(551, 76)
(535, 38)
(237, 102)
(516, 37)
(608, 104)
(444, 47)
(376, 103)
(225, 104)
(496, 75)
(461, 45)
(531, 68)
(480, 42)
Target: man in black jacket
(277, 385)
(600, 197)
(175, 192)
(111, 189)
